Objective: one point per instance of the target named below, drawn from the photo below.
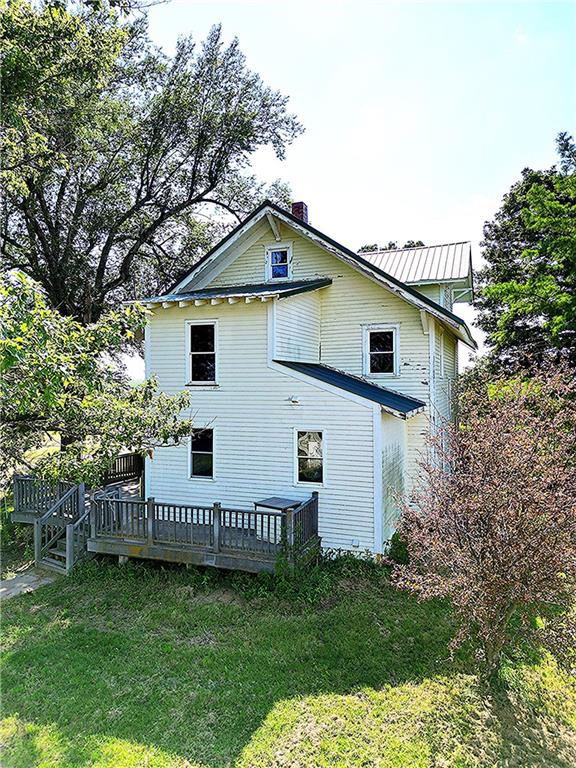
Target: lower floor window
(202, 453)
(309, 456)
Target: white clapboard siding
(297, 327)
(349, 303)
(445, 383)
(394, 441)
(253, 420)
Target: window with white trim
(309, 457)
(202, 453)
(381, 351)
(279, 262)
(201, 353)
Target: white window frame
(202, 478)
(366, 331)
(189, 381)
(305, 483)
(286, 246)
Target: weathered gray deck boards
(172, 553)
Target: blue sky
(418, 116)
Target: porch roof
(236, 293)
(391, 401)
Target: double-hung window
(202, 454)
(201, 352)
(381, 350)
(309, 457)
(279, 262)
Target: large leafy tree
(527, 290)
(59, 380)
(116, 156)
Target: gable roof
(267, 290)
(406, 291)
(450, 262)
(391, 401)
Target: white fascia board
(199, 279)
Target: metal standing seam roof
(280, 289)
(400, 405)
(431, 264)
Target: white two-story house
(310, 368)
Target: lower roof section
(272, 289)
(393, 402)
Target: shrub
(494, 527)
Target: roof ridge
(415, 247)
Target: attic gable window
(279, 261)
(381, 350)
(201, 343)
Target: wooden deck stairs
(71, 525)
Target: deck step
(58, 552)
(49, 564)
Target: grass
(166, 668)
(16, 541)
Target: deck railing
(262, 533)
(77, 534)
(35, 496)
(49, 527)
(127, 466)
(305, 522)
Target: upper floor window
(201, 342)
(279, 262)
(381, 352)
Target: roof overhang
(392, 402)
(235, 294)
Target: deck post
(150, 520)
(69, 547)
(92, 516)
(81, 499)
(290, 528)
(37, 541)
(16, 494)
(216, 525)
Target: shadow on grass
(183, 663)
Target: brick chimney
(300, 210)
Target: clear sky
(418, 115)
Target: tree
(59, 378)
(116, 156)
(494, 526)
(392, 246)
(527, 290)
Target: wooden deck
(225, 538)
(70, 524)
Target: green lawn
(139, 666)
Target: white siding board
(297, 327)
(394, 440)
(349, 303)
(253, 424)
